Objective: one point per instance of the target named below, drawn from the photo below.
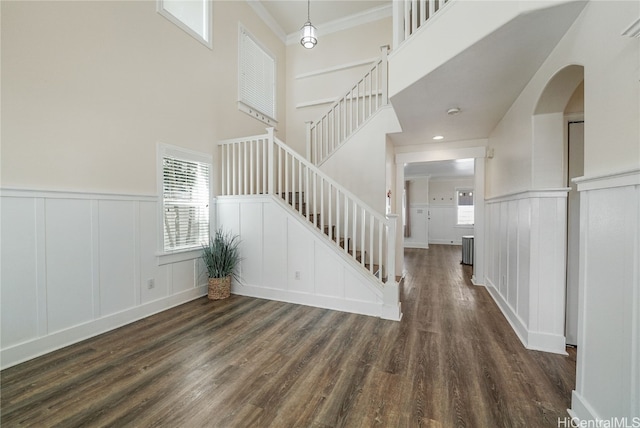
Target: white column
(478, 277)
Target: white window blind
(464, 200)
(185, 203)
(257, 73)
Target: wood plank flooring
(453, 361)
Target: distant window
(185, 199)
(256, 79)
(192, 16)
(464, 201)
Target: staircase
(264, 165)
(298, 202)
(350, 112)
(363, 239)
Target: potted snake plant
(221, 256)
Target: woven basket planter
(219, 288)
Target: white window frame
(193, 252)
(457, 196)
(245, 104)
(207, 17)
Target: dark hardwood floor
(453, 361)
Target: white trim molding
(339, 67)
(268, 19)
(608, 360)
(608, 181)
(525, 264)
(346, 22)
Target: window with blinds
(464, 201)
(256, 79)
(185, 202)
(192, 16)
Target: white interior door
(575, 169)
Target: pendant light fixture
(308, 34)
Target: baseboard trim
(421, 245)
(475, 281)
(581, 409)
(536, 341)
(25, 351)
(513, 319)
(444, 242)
(307, 299)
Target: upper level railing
(347, 114)
(409, 15)
(263, 164)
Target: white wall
(76, 264)
(366, 177)
(88, 90)
(607, 372)
(608, 366)
(525, 255)
(442, 211)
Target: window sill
(465, 226)
(255, 113)
(178, 256)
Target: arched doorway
(558, 157)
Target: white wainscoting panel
(300, 258)
(252, 245)
(299, 264)
(608, 363)
(75, 265)
(20, 321)
(70, 266)
(117, 226)
(149, 269)
(329, 280)
(276, 252)
(526, 246)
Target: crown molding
(344, 23)
(266, 17)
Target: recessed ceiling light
(438, 137)
(453, 111)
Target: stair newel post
(391, 292)
(271, 178)
(384, 50)
(308, 135)
(392, 224)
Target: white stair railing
(409, 15)
(265, 165)
(347, 114)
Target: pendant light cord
(308, 10)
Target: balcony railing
(410, 15)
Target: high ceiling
(292, 14)
(483, 80)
